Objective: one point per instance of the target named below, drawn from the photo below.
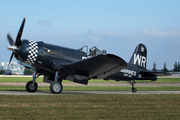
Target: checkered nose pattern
(33, 52)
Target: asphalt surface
(96, 84)
(85, 92)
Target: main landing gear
(55, 87)
(133, 84)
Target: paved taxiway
(96, 84)
(86, 92)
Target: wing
(156, 73)
(96, 67)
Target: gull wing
(96, 67)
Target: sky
(117, 26)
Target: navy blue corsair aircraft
(58, 63)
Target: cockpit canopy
(95, 51)
(92, 51)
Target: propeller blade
(11, 58)
(18, 38)
(11, 41)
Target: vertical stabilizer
(139, 57)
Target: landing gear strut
(56, 86)
(133, 84)
(32, 86)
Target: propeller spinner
(14, 46)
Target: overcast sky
(117, 26)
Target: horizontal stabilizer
(156, 73)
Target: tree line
(176, 67)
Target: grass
(168, 80)
(93, 88)
(40, 79)
(88, 107)
(19, 79)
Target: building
(13, 68)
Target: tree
(175, 67)
(178, 67)
(28, 71)
(154, 67)
(2, 72)
(165, 69)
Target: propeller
(14, 46)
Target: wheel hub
(32, 87)
(56, 87)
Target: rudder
(139, 57)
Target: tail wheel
(56, 87)
(134, 90)
(30, 87)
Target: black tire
(56, 87)
(31, 88)
(134, 90)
